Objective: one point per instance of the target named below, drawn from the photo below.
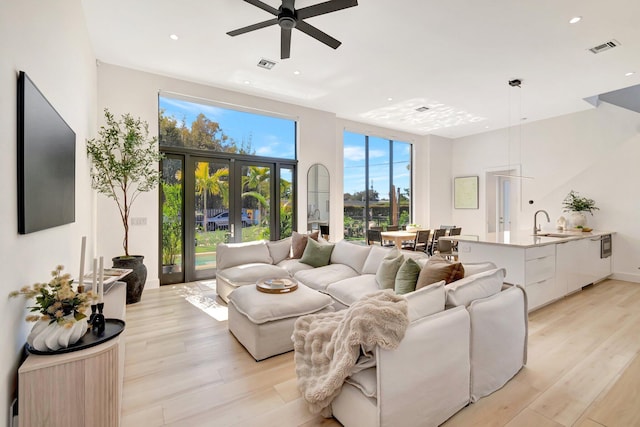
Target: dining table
(399, 236)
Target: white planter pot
(51, 336)
(577, 219)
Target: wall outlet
(139, 220)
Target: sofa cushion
(350, 254)
(293, 266)
(279, 249)
(386, 274)
(261, 307)
(471, 268)
(250, 273)
(299, 243)
(366, 381)
(407, 276)
(479, 285)
(438, 269)
(317, 254)
(375, 257)
(426, 301)
(232, 254)
(321, 277)
(350, 290)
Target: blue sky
(379, 156)
(270, 136)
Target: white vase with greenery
(577, 206)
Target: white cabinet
(597, 268)
(547, 272)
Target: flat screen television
(46, 162)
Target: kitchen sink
(563, 235)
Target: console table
(80, 388)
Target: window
(377, 183)
(208, 127)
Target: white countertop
(523, 239)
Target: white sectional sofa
(349, 276)
(465, 339)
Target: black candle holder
(94, 308)
(98, 323)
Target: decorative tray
(112, 328)
(277, 286)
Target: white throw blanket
(327, 345)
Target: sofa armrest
(426, 379)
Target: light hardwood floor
(184, 368)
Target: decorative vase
(51, 336)
(577, 219)
(411, 228)
(136, 279)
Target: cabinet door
(570, 265)
(597, 268)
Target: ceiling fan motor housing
(287, 18)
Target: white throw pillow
(366, 381)
(472, 268)
(232, 254)
(481, 285)
(426, 301)
(376, 255)
(280, 249)
(350, 254)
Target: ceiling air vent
(605, 46)
(422, 109)
(265, 63)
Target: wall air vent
(422, 109)
(266, 63)
(605, 46)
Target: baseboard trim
(627, 277)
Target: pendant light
(515, 84)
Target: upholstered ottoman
(263, 323)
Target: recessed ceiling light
(247, 82)
(575, 19)
(389, 99)
(173, 37)
(630, 73)
(296, 72)
(487, 127)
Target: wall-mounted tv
(46, 162)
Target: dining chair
(446, 249)
(421, 241)
(433, 245)
(456, 231)
(324, 231)
(374, 236)
(392, 228)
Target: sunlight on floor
(203, 296)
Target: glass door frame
(190, 157)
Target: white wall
(439, 182)
(594, 152)
(48, 40)
(124, 90)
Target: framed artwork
(465, 192)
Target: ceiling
(455, 57)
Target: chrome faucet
(536, 226)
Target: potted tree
(124, 164)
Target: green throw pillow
(316, 254)
(388, 268)
(407, 277)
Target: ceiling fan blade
(321, 36)
(326, 7)
(253, 27)
(263, 6)
(285, 43)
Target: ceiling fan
(289, 18)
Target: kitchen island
(547, 266)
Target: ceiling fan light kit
(288, 18)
